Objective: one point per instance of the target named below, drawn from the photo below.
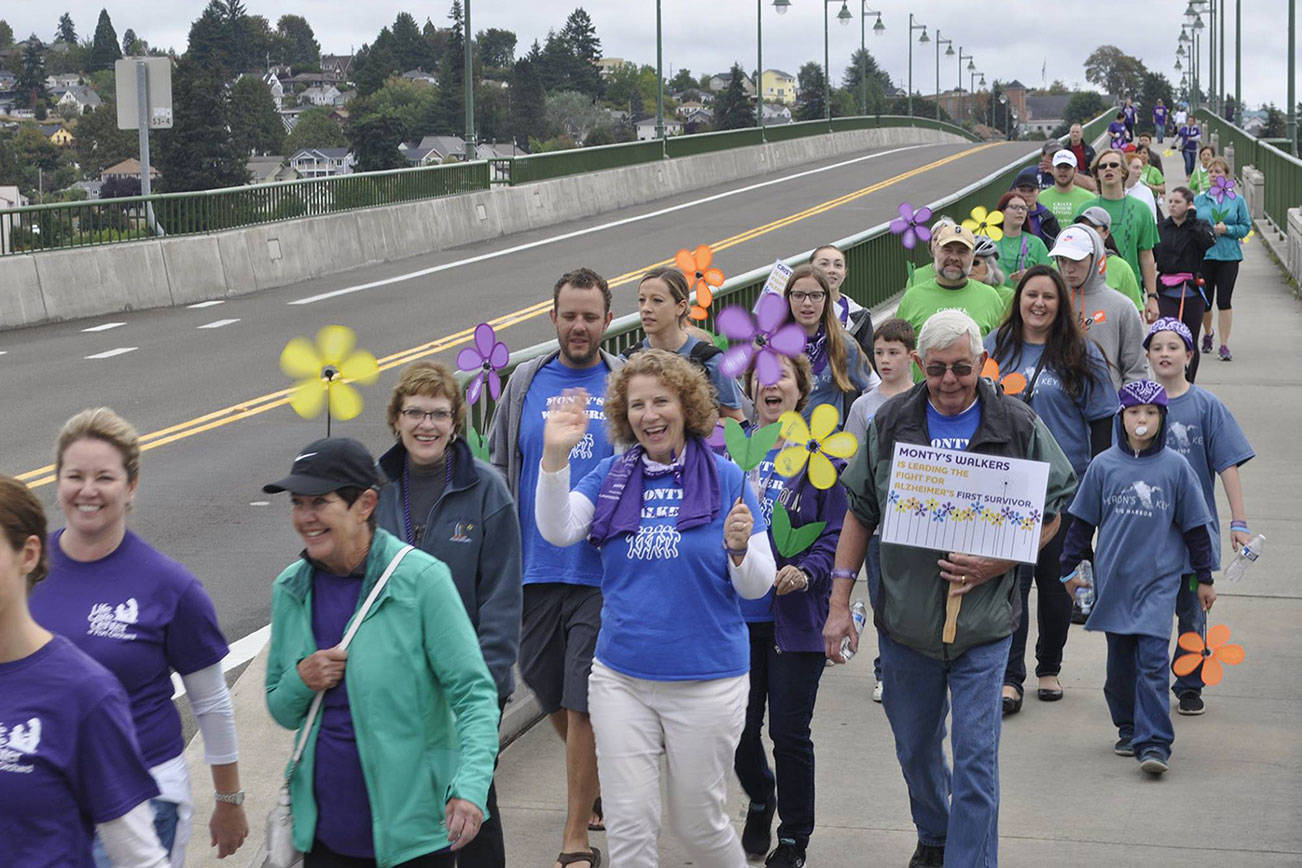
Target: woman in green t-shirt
(1018, 250)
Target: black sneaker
(1190, 704)
(928, 856)
(757, 835)
(1123, 747)
(1153, 762)
(787, 855)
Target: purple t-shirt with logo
(140, 614)
(68, 756)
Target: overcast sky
(708, 35)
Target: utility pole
(470, 88)
(1292, 75)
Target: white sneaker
(877, 692)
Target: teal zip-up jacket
(1234, 214)
(424, 707)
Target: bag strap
(1030, 387)
(348, 637)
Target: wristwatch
(235, 798)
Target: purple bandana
(619, 504)
(816, 349)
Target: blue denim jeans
(1136, 691)
(165, 817)
(874, 565)
(788, 682)
(959, 811)
(1189, 617)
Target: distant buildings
(321, 162)
(778, 86)
(646, 129)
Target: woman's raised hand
(567, 422)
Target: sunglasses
(1109, 165)
(960, 369)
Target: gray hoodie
(1111, 321)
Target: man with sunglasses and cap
(1134, 227)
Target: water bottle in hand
(858, 617)
(1246, 555)
(1085, 594)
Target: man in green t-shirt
(1065, 198)
(951, 288)
(1133, 227)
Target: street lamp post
(1292, 75)
(878, 30)
(843, 18)
(660, 84)
(949, 52)
(959, 86)
(972, 74)
(922, 40)
(1238, 62)
(470, 87)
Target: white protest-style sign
(966, 502)
(777, 281)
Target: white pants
(695, 725)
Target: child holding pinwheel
(1146, 503)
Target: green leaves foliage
(791, 541)
(748, 452)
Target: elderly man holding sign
(948, 605)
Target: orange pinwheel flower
(695, 266)
(1210, 654)
(1014, 383)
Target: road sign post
(144, 100)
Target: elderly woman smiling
(681, 543)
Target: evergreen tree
(315, 129)
(733, 110)
(298, 45)
(436, 43)
(374, 134)
(129, 44)
(409, 50)
(452, 97)
(809, 93)
(104, 50)
(199, 152)
(682, 81)
(66, 32)
(1154, 86)
(255, 124)
(31, 79)
(528, 100)
(208, 38)
(864, 65)
(374, 63)
(495, 48)
(579, 35)
(6, 34)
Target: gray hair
(994, 274)
(944, 328)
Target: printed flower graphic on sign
(1209, 654)
(1222, 189)
(695, 265)
(487, 356)
(911, 225)
(987, 223)
(766, 333)
(1013, 384)
(324, 370)
(813, 443)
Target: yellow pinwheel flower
(987, 223)
(813, 443)
(324, 371)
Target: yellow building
(57, 134)
(779, 87)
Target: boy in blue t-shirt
(1145, 501)
(1200, 428)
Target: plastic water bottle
(1085, 595)
(1246, 555)
(858, 617)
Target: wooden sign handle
(952, 605)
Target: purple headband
(1142, 392)
(1170, 324)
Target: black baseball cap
(327, 465)
(1028, 177)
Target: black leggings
(1192, 318)
(1220, 275)
(1053, 612)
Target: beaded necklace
(406, 490)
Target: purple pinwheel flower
(762, 332)
(911, 225)
(1222, 189)
(488, 355)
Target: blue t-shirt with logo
(544, 562)
(1201, 428)
(1141, 507)
(769, 485)
(726, 388)
(1068, 419)
(68, 756)
(669, 610)
(953, 432)
(141, 615)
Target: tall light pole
(972, 74)
(1238, 62)
(782, 6)
(878, 29)
(922, 40)
(660, 84)
(970, 67)
(470, 87)
(949, 52)
(843, 18)
(1291, 128)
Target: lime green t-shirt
(1121, 277)
(1065, 206)
(1200, 181)
(979, 301)
(1020, 253)
(1152, 177)
(922, 274)
(1134, 228)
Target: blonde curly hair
(689, 382)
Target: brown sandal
(600, 824)
(592, 857)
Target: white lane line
(242, 651)
(4, 352)
(116, 351)
(103, 327)
(218, 323)
(361, 287)
(202, 304)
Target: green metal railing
(109, 221)
(875, 269)
(1283, 171)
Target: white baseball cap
(1064, 158)
(1075, 243)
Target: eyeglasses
(1109, 165)
(960, 369)
(815, 296)
(415, 416)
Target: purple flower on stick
(1222, 189)
(764, 338)
(911, 225)
(487, 355)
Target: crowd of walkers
(615, 551)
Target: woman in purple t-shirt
(69, 763)
(142, 616)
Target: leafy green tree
(810, 104)
(66, 31)
(374, 133)
(1083, 106)
(104, 50)
(255, 124)
(493, 114)
(414, 103)
(1276, 123)
(864, 66)
(496, 49)
(315, 129)
(31, 79)
(297, 43)
(452, 98)
(528, 101)
(733, 110)
(99, 142)
(1116, 72)
(6, 34)
(375, 63)
(1155, 86)
(623, 87)
(199, 152)
(682, 81)
(573, 114)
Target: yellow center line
(255, 406)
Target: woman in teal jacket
(1225, 209)
(396, 771)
